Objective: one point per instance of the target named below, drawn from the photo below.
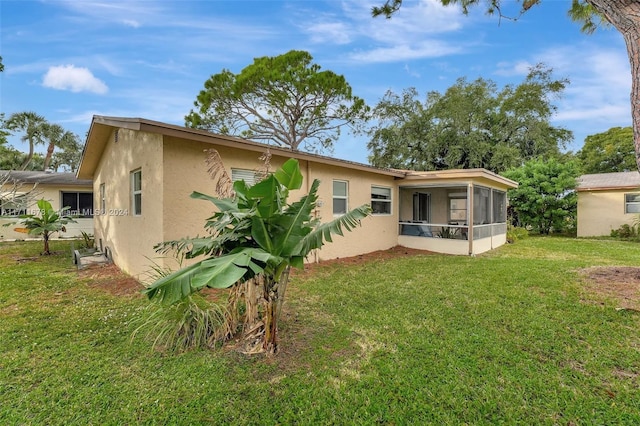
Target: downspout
(470, 217)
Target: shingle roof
(47, 177)
(603, 181)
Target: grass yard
(523, 335)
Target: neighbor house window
(380, 200)
(632, 203)
(79, 203)
(136, 192)
(248, 176)
(103, 202)
(458, 206)
(340, 197)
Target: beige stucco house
(23, 188)
(606, 201)
(144, 171)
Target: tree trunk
(27, 160)
(46, 243)
(47, 159)
(624, 15)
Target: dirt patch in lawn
(376, 256)
(109, 278)
(620, 283)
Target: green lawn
(510, 337)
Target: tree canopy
(624, 15)
(285, 100)
(38, 131)
(473, 124)
(607, 152)
(545, 199)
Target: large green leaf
(218, 272)
(289, 174)
(223, 204)
(295, 222)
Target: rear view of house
(606, 201)
(144, 171)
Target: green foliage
(286, 100)
(515, 233)
(471, 125)
(193, 323)
(47, 222)
(608, 152)
(545, 200)
(38, 131)
(628, 231)
(256, 237)
(88, 240)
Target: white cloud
(425, 49)
(75, 79)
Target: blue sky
(69, 60)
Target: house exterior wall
(53, 194)
(129, 239)
(185, 171)
(601, 211)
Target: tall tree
(286, 100)
(607, 152)
(69, 156)
(56, 136)
(545, 200)
(473, 124)
(32, 126)
(624, 15)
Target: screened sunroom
(455, 212)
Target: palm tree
(57, 137)
(256, 237)
(32, 125)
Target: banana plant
(256, 237)
(47, 222)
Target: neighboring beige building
(144, 171)
(60, 189)
(606, 201)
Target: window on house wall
(248, 176)
(632, 203)
(380, 200)
(499, 206)
(80, 203)
(103, 200)
(340, 197)
(136, 192)
(458, 207)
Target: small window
(103, 202)
(340, 197)
(80, 203)
(136, 192)
(632, 203)
(380, 200)
(458, 206)
(248, 176)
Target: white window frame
(136, 211)
(340, 197)
(382, 200)
(628, 203)
(248, 176)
